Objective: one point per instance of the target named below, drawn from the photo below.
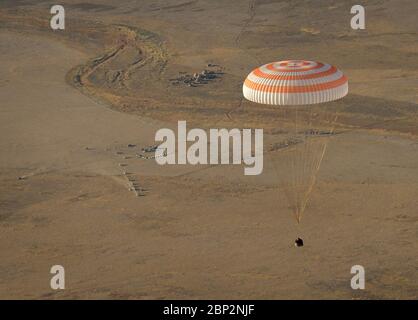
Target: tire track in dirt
(251, 15)
(148, 49)
(252, 4)
(175, 6)
(122, 39)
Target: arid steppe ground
(71, 101)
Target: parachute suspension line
(307, 159)
(317, 165)
(296, 178)
(287, 187)
(313, 179)
(304, 158)
(310, 153)
(307, 156)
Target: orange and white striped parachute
(305, 129)
(295, 82)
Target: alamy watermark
(58, 280)
(58, 19)
(358, 21)
(358, 281)
(206, 150)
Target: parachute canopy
(295, 82)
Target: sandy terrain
(72, 101)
